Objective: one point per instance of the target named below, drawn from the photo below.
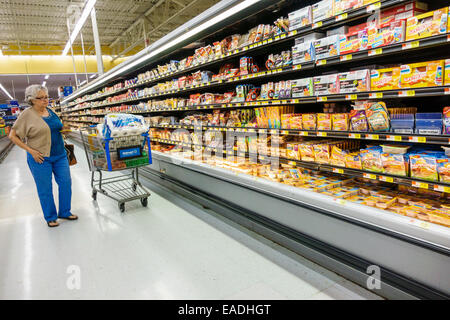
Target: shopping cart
(117, 154)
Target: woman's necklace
(43, 113)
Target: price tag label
(394, 138)
(322, 99)
(408, 93)
(276, 102)
(441, 189)
(251, 130)
(351, 97)
(245, 48)
(418, 139)
(317, 25)
(336, 170)
(376, 95)
(447, 90)
(386, 179)
(410, 45)
(261, 158)
(370, 176)
(373, 137)
(342, 17)
(340, 201)
(374, 7)
(321, 134)
(347, 57)
(354, 135)
(292, 163)
(264, 42)
(277, 38)
(293, 33)
(269, 40)
(375, 52)
(262, 131)
(295, 101)
(321, 62)
(284, 132)
(273, 131)
(421, 185)
(303, 133)
(297, 67)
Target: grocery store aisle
(165, 251)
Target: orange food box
(424, 74)
(426, 25)
(385, 79)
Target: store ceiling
(16, 84)
(26, 23)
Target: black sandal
(72, 217)
(54, 221)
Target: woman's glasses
(41, 98)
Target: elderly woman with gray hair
(37, 130)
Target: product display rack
(190, 174)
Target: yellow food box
(428, 24)
(424, 74)
(385, 79)
(447, 72)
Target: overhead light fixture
(93, 76)
(7, 93)
(83, 82)
(46, 77)
(224, 15)
(73, 35)
(44, 83)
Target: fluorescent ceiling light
(73, 35)
(93, 76)
(83, 82)
(7, 93)
(44, 83)
(224, 15)
(46, 77)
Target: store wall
(53, 64)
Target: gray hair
(32, 91)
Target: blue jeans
(42, 174)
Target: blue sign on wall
(68, 90)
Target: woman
(40, 128)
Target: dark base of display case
(346, 264)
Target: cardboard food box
(329, 46)
(393, 32)
(300, 18)
(426, 25)
(322, 10)
(385, 79)
(341, 6)
(354, 81)
(302, 88)
(325, 85)
(447, 72)
(424, 74)
(303, 53)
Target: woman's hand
(37, 156)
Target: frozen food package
(371, 159)
(340, 121)
(122, 124)
(323, 121)
(423, 167)
(322, 10)
(300, 18)
(358, 121)
(377, 116)
(446, 120)
(302, 88)
(395, 164)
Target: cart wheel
(122, 207)
(144, 202)
(134, 186)
(94, 195)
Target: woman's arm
(37, 156)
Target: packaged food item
(325, 85)
(354, 81)
(423, 167)
(341, 6)
(371, 159)
(385, 34)
(395, 164)
(377, 116)
(427, 25)
(323, 121)
(340, 121)
(322, 153)
(446, 120)
(303, 53)
(322, 10)
(424, 74)
(429, 123)
(306, 150)
(310, 37)
(356, 39)
(302, 88)
(358, 121)
(353, 161)
(338, 156)
(447, 71)
(385, 79)
(395, 149)
(309, 121)
(443, 166)
(300, 18)
(329, 46)
(295, 122)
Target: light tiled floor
(170, 250)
